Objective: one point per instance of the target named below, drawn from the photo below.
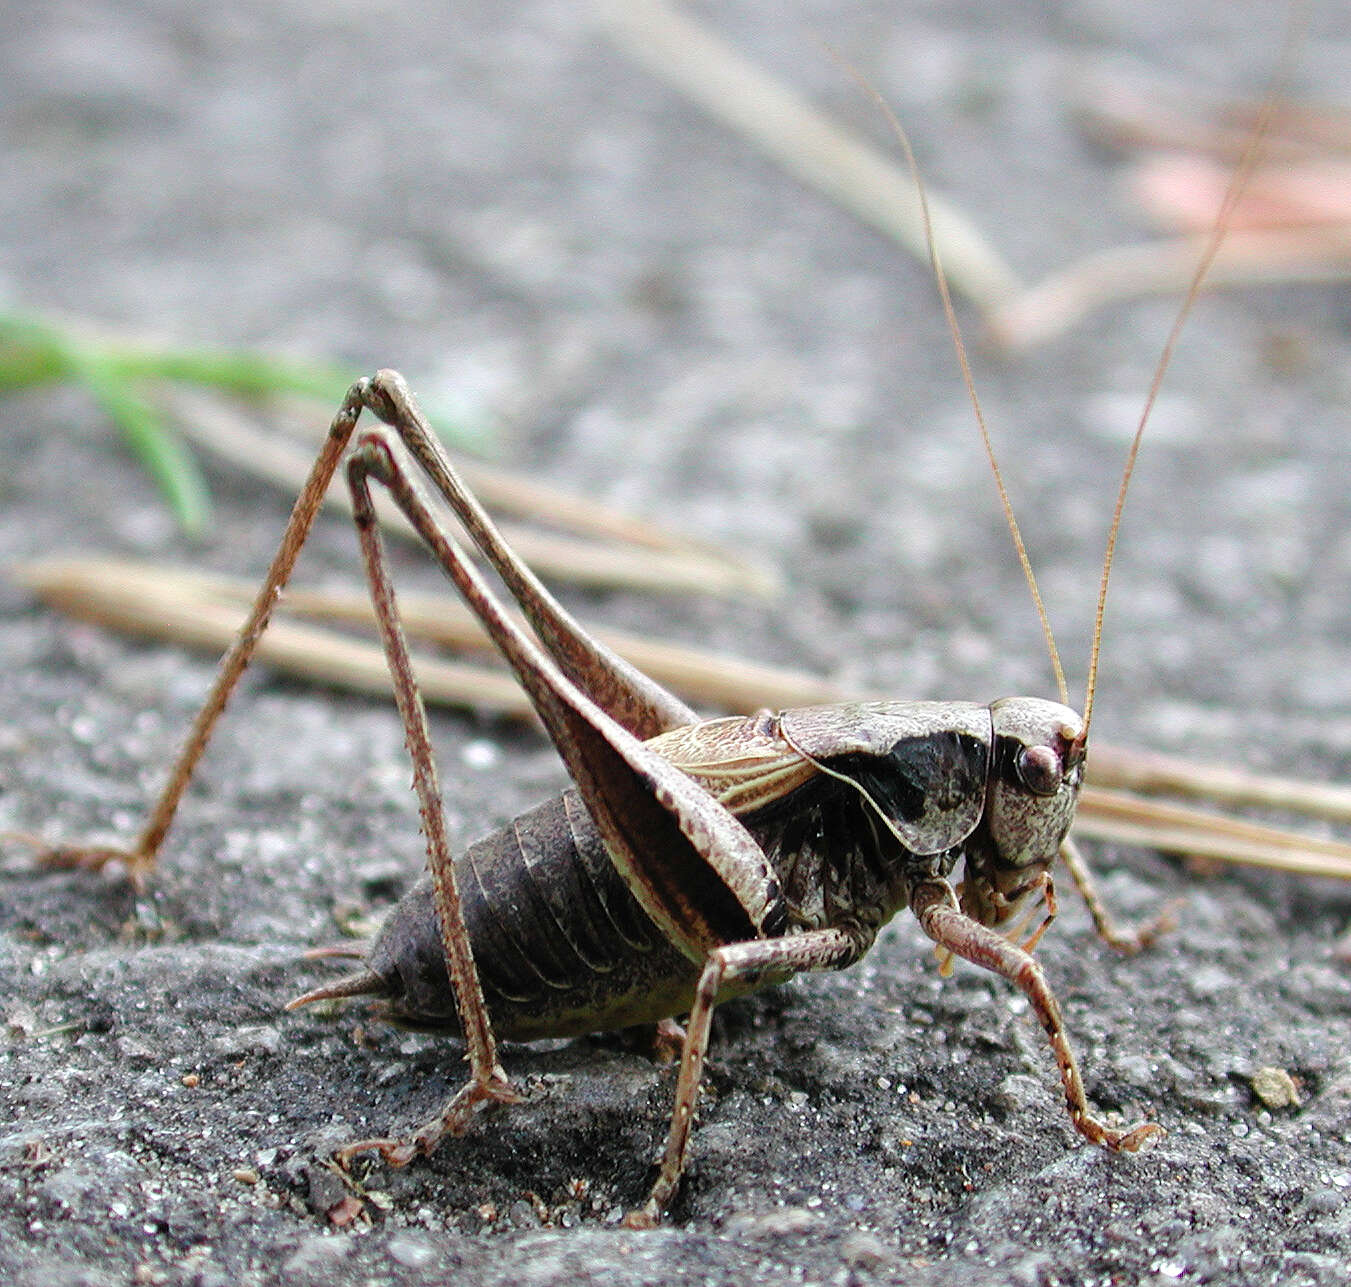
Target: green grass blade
(168, 461)
(35, 350)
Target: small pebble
(1275, 1088)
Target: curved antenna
(960, 345)
(1214, 240)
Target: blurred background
(636, 302)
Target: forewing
(740, 761)
(692, 866)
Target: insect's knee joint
(387, 396)
(371, 458)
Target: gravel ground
(495, 201)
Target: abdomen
(561, 946)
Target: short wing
(692, 866)
(741, 761)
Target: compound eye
(1039, 770)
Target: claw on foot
(396, 1153)
(1131, 1140)
(85, 857)
(1138, 938)
(668, 1041)
(454, 1119)
(1120, 1141)
(497, 1091)
(646, 1217)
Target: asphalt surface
(496, 202)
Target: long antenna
(1294, 33)
(959, 344)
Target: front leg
(935, 907)
(1127, 941)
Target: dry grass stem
(1151, 824)
(204, 611)
(1122, 109)
(810, 146)
(1126, 108)
(1060, 301)
(1148, 773)
(163, 607)
(1291, 225)
(229, 432)
(611, 550)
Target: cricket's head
(1037, 767)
